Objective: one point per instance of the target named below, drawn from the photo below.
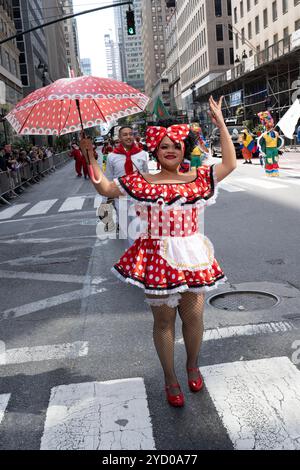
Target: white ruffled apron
(192, 253)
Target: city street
(78, 366)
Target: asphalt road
(78, 368)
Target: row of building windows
(194, 48)
(285, 33)
(197, 68)
(284, 3)
(9, 63)
(283, 11)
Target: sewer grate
(243, 301)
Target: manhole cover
(243, 301)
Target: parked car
(215, 143)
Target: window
(219, 32)
(230, 33)
(265, 13)
(231, 55)
(284, 6)
(248, 5)
(257, 25)
(221, 58)
(218, 7)
(243, 35)
(274, 10)
(242, 9)
(229, 9)
(250, 30)
(235, 15)
(297, 25)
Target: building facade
(71, 39)
(86, 66)
(155, 16)
(257, 24)
(112, 57)
(10, 80)
(55, 40)
(205, 43)
(130, 47)
(173, 68)
(33, 46)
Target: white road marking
(291, 180)
(3, 404)
(265, 184)
(230, 188)
(245, 330)
(11, 211)
(48, 303)
(43, 256)
(71, 278)
(72, 204)
(45, 353)
(258, 402)
(41, 207)
(110, 415)
(97, 201)
(45, 240)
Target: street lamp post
(193, 88)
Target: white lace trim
(176, 290)
(181, 202)
(171, 301)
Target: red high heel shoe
(174, 400)
(195, 384)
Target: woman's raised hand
(215, 112)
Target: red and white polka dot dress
(170, 255)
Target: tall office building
(155, 15)
(130, 47)
(10, 83)
(172, 55)
(112, 57)
(205, 43)
(260, 24)
(55, 40)
(86, 66)
(72, 42)
(33, 46)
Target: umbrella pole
(90, 168)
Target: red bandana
(177, 133)
(120, 150)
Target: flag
(160, 110)
(289, 121)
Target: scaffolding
(266, 81)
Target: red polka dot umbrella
(70, 104)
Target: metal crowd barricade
(29, 173)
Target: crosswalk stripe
(48, 352)
(245, 330)
(41, 207)
(291, 180)
(11, 211)
(3, 404)
(99, 416)
(261, 183)
(72, 204)
(258, 402)
(97, 201)
(230, 188)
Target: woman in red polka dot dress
(171, 260)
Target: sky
(91, 30)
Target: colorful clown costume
(269, 144)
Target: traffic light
(130, 23)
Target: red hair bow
(155, 134)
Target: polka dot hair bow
(155, 134)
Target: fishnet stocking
(190, 309)
(164, 339)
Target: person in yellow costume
(269, 144)
(248, 145)
(200, 151)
